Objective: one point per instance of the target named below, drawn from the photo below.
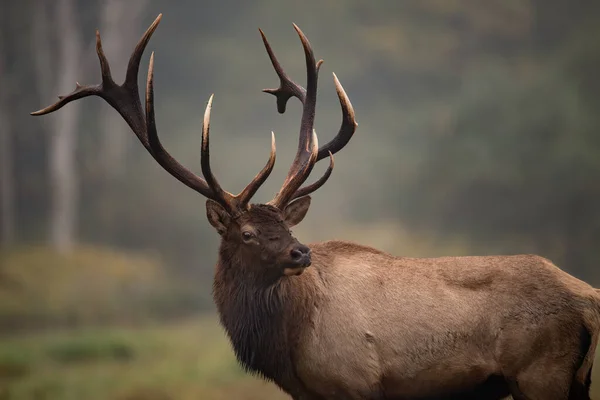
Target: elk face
(261, 236)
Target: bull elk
(360, 323)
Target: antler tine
(222, 196)
(287, 87)
(260, 178)
(80, 90)
(87, 90)
(133, 66)
(347, 128)
(292, 183)
(308, 189)
(156, 148)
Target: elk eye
(247, 236)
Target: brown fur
(362, 324)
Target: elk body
(338, 320)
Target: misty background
(478, 134)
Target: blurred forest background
(478, 134)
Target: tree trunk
(7, 190)
(119, 29)
(62, 126)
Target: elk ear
(294, 212)
(218, 217)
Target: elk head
(258, 234)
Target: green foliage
(86, 350)
(183, 361)
(12, 368)
(90, 286)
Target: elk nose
(300, 255)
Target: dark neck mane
(263, 320)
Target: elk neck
(263, 317)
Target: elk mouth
(295, 271)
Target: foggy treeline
(479, 130)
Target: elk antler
(308, 151)
(125, 99)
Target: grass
(189, 360)
(92, 285)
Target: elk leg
(582, 380)
(543, 380)
(515, 392)
(581, 390)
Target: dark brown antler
(125, 99)
(307, 155)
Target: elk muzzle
(299, 260)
